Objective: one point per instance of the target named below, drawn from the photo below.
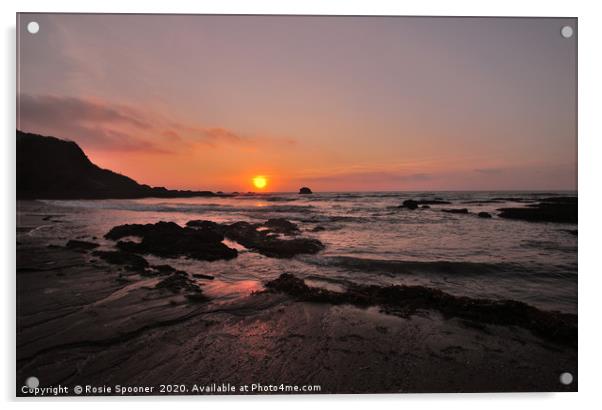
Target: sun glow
(260, 182)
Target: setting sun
(260, 182)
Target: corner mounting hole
(33, 27)
(32, 382)
(566, 378)
(566, 31)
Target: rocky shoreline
(202, 239)
(110, 310)
(560, 209)
(407, 300)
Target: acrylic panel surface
(217, 204)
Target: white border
(590, 134)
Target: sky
(333, 103)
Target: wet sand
(83, 321)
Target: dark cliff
(51, 168)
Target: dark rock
(407, 300)
(281, 225)
(425, 207)
(202, 239)
(177, 282)
(555, 209)
(262, 238)
(318, 229)
(150, 273)
(455, 211)
(122, 279)
(413, 204)
(168, 239)
(129, 260)
(207, 234)
(432, 202)
(164, 269)
(199, 223)
(484, 215)
(409, 204)
(202, 276)
(81, 245)
(269, 244)
(305, 190)
(560, 200)
(197, 297)
(277, 248)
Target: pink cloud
(115, 127)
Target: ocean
(368, 239)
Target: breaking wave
(129, 205)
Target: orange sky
(337, 104)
